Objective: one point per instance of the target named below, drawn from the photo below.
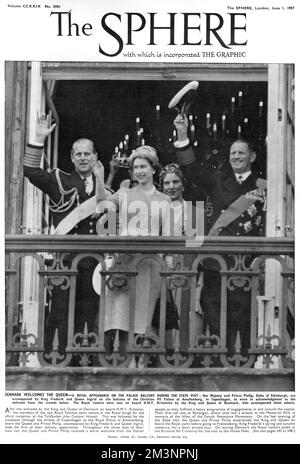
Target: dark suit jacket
(87, 301)
(47, 182)
(224, 189)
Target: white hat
(184, 98)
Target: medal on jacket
(88, 185)
(208, 207)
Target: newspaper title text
(187, 29)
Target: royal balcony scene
(96, 308)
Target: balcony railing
(39, 266)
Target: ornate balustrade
(36, 265)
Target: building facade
(102, 101)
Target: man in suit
(72, 203)
(238, 198)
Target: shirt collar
(90, 177)
(243, 176)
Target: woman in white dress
(142, 212)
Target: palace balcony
(191, 357)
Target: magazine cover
(149, 223)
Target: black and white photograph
(150, 221)
(149, 218)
